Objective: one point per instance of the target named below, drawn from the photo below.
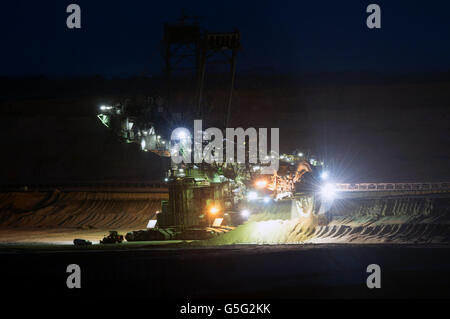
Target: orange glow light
(213, 210)
(261, 183)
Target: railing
(371, 187)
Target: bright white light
(300, 154)
(328, 191)
(217, 222)
(266, 199)
(252, 196)
(324, 175)
(181, 135)
(151, 223)
(105, 108)
(283, 195)
(143, 144)
(245, 213)
(166, 179)
(261, 183)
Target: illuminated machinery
(283, 181)
(185, 46)
(198, 196)
(135, 124)
(300, 180)
(291, 173)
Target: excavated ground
(364, 220)
(59, 217)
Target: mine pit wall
(399, 219)
(356, 218)
(410, 207)
(423, 218)
(79, 209)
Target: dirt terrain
(59, 217)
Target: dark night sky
(120, 38)
(395, 131)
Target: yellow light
(261, 183)
(213, 210)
